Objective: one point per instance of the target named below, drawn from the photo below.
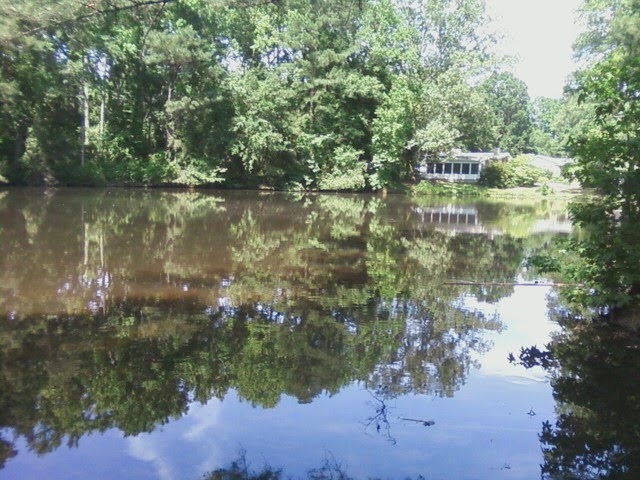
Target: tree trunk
(170, 125)
(84, 132)
(102, 107)
(19, 146)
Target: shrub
(89, 175)
(515, 173)
(346, 173)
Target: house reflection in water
(453, 218)
(456, 219)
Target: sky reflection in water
(321, 262)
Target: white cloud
(144, 447)
(193, 434)
(524, 315)
(203, 419)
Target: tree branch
(113, 8)
(94, 11)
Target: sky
(540, 34)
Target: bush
(515, 173)
(89, 175)
(346, 173)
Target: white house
(458, 166)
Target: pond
(166, 334)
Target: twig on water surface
(426, 423)
(514, 284)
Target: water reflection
(596, 383)
(119, 309)
(521, 218)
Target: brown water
(181, 327)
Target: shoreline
(422, 189)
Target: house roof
(546, 163)
(481, 156)
(471, 157)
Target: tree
(452, 34)
(609, 160)
(333, 95)
(511, 108)
(454, 52)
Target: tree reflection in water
(239, 469)
(119, 309)
(595, 363)
(595, 369)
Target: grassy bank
(446, 189)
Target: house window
(475, 169)
(466, 168)
(447, 169)
(457, 168)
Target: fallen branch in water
(426, 423)
(515, 284)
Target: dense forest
(295, 94)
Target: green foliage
(555, 121)
(595, 359)
(197, 174)
(517, 172)
(260, 125)
(453, 113)
(306, 95)
(546, 262)
(608, 158)
(452, 189)
(597, 429)
(89, 174)
(392, 131)
(197, 89)
(510, 105)
(593, 368)
(547, 136)
(347, 171)
(240, 470)
(453, 35)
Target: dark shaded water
(151, 334)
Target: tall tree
(511, 105)
(455, 51)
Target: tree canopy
(297, 94)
